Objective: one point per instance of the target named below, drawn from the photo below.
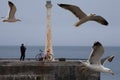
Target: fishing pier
(40, 70)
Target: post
(48, 47)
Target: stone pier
(38, 70)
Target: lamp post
(48, 46)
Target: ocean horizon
(80, 52)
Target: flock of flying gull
(94, 61)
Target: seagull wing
(96, 53)
(109, 58)
(74, 9)
(99, 19)
(12, 10)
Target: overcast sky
(32, 29)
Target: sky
(32, 29)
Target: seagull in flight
(11, 15)
(82, 16)
(95, 62)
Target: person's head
(22, 44)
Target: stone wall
(36, 70)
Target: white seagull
(95, 62)
(11, 15)
(82, 16)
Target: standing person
(22, 50)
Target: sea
(75, 52)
